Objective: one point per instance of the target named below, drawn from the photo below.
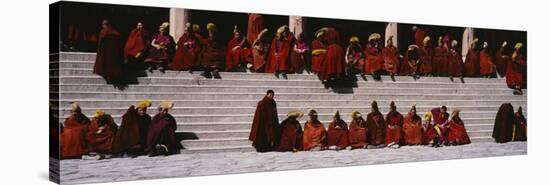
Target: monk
(290, 138)
(264, 125)
(374, 63)
(188, 50)
(430, 136)
(516, 72)
(455, 62)
(502, 58)
(161, 136)
(354, 56)
(333, 63)
(457, 132)
(109, 62)
(411, 62)
(161, 51)
(376, 127)
(213, 56)
(440, 59)
(471, 64)
(298, 57)
(236, 52)
(503, 129)
(486, 66)
(260, 50)
(75, 127)
(425, 53)
(318, 50)
(394, 121)
(440, 118)
(520, 126)
(101, 134)
(315, 135)
(390, 55)
(412, 128)
(131, 137)
(337, 133)
(358, 131)
(137, 44)
(255, 26)
(279, 54)
(419, 35)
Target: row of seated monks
(101, 137)
(281, 53)
(373, 131)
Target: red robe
(259, 55)
(136, 43)
(314, 135)
(338, 134)
(428, 133)
(187, 52)
(391, 59)
(255, 26)
(457, 132)
(109, 62)
(264, 124)
(419, 35)
(441, 61)
(213, 55)
(412, 129)
(374, 59)
(132, 133)
(471, 64)
(233, 57)
(485, 63)
(317, 60)
(425, 54)
(515, 73)
(279, 56)
(394, 122)
(409, 65)
(501, 61)
(358, 133)
(290, 136)
(73, 140)
(100, 136)
(376, 128)
(333, 63)
(455, 63)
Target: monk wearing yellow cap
(425, 53)
(290, 137)
(373, 53)
(516, 72)
(337, 133)
(131, 137)
(279, 54)
(315, 135)
(189, 47)
(318, 50)
(357, 131)
(213, 56)
(161, 139)
(101, 134)
(354, 57)
(73, 142)
(457, 134)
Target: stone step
(262, 89)
(79, 56)
(191, 150)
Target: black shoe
(276, 74)
(206, 74)
(284, 76)
(392, 76)
(452, 79)
(161, 69)
(462, 79)
(150, 69)
(216, 75)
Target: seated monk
(412, 128)
(376, 127)
(520, 127)
(161, 138)
(430, 135)
(457, 132)
(394, 121)
(101, 134)
(290, 138)
(315, 135)
(440, 118)
(357, 131)
(73, 142)
(337, 133)
(131, 137)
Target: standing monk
(187, 56)
(457, 132)
(161, 136)
(162, 50)
(260, 50)
(376, 127)
(455, 62)
(471, 64)
(486, 66)
(136, 45)
(441, 57)
(391, 58)
(279, 54)
(255, 26)
(101, 133)
(264, 125)
(73, 141)
(374, 63)
(394, 121)
(520, 126)
(318, 50)
(516, 72)
(298, 57)
(290, 138)
(412, 128)
(358, 131)
(109, 61)
(419, 35)
(337, 133)
(213, 56)
(502, 58)
(333, 64)
(131, 137)
(503, 129)
(425, 53)
(236, 52)
(315, 135)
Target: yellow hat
(210, 26)
(75, 107)
(475, 40)
(235, 29)
(318, 51)
(166, 104)
(428, 116)
(336, 114)
(454, 43)
(144, 104)
(355, 114)
(455, 113)
(354, 39)
(426, 40)
(98, 113)
(295, 113)
(518, 45)
(196, 28)
(282, 29)
(413, 47)
(165, 25)
(374, 36)
(320, 32)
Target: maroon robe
(101, 134)
(132, 133)
(337, 133)
(264, 125)
(109, 62)
(255, 26)
(315, 135)
(425, 54)
(394, 121)
(162, 131)
(485, 63)
(188, 52)
(455, 63)
(297, 59)
(290, 135)
(333, 62)
(165, 53)
(457, 132)
(516, 73)
(441, 120)
(471, 64)
(428, 133)
(376, 128)
(501, 61)
(412, 129)
(73, 141)
(419, 35)
(136, 43)
(279, 55)
(374, 60)
(233, 57)
(441, 61)
(358, 133)
(259, 55)
(409, 65)
(213, 55)
(391, 59)
(317, 59)
(520, 131)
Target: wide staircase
(215, 115)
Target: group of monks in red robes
(102, 138)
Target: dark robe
(132, 133)
(394, 121)
(298, 59)
(234, 57)
(485, 63)
(315, 135)
(441, 61)
(520, 128)
(279, 55)
(164, 54)
(101, 134)
(337, 133)
(137, 42)
(333, 62)
(516, 73)
(163, 131)
(290, 135)
(374, 59)
(255, 26)
(455, 63)
(73, 140)
(501, 61)
(188, 52)
(391, 59)
(213, 55)
(376, 128)
(358, 133)
(410, 64)
(412, 129)
(471, 64)
(109, 62)
(457, 132)
(259, 55)
(318, 58)
(504, 124)
(264, 125)
(425, 54)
